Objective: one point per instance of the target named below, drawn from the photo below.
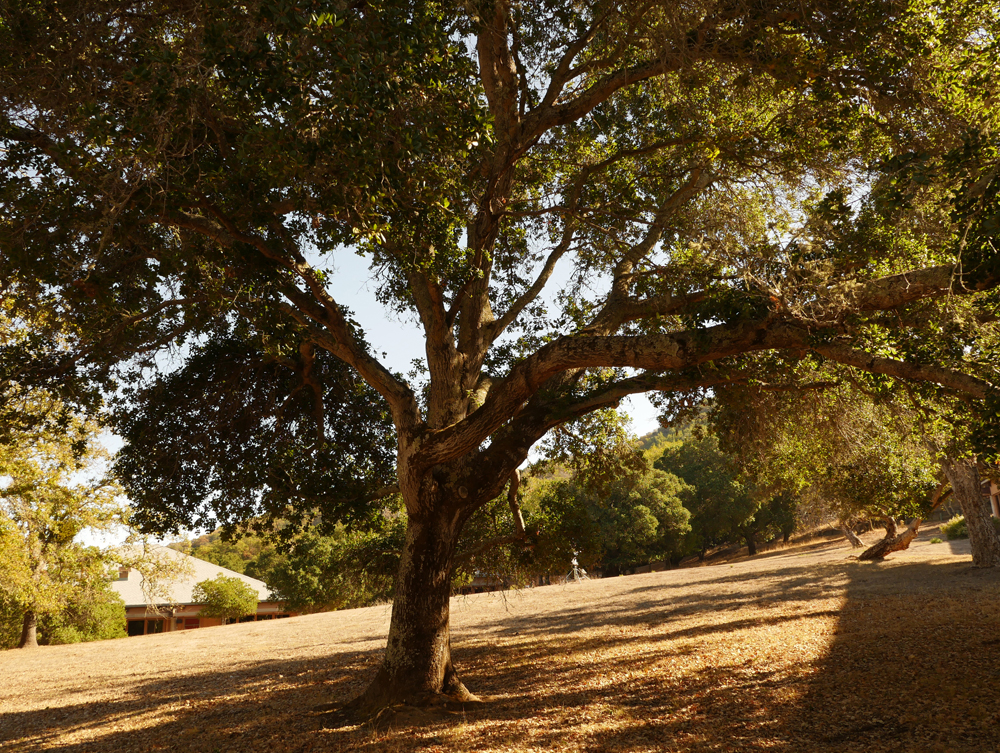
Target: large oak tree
(577, 202)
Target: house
(174, 608)
(991, 492)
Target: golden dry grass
(797, 650)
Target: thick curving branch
(674, 351)
(923, 372)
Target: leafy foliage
(864, 455)
(340, 570)
(723, 507)
(955, 528)
(96, 614)
(615, 526)
(225, 596)
(54, 490)
(257, 433)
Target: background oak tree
(52, 486)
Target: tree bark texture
(893, 541)
(417, 667)
(29, 631)
(855, 540)
(963, 475)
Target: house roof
(179, 591)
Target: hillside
(797, 650)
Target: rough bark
(29, 631)
(893, 541)
(855, 540)
(751, 544)
(417, 669)
(963, 475)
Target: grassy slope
(797, 650)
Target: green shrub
(224, 596)
(60, 635)
(955, 528)
(97, 615)
(936, 540)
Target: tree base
(419, 711)
(390, 704)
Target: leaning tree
(576, 202)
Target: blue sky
(402, 340)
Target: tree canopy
(575, 202)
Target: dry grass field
(801, 649)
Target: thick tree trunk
(751, 544)
(29, 631)
(417, 668)
(963, 475)
(856, 542)
(893, 541)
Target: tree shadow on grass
(247, 708)
(912, 666)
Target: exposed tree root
(389, 704)
(428, 709)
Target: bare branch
(515, 508)
(529, 295)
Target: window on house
(123, 573)
(248, 618)
(136, 627)
(154, 626)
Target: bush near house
(957, 529)
(225, 596)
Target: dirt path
(796, 650)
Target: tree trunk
(963, 475)
(893, 541)
(29, 631)
(856, 542)
(751, 544)
(417, 668)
